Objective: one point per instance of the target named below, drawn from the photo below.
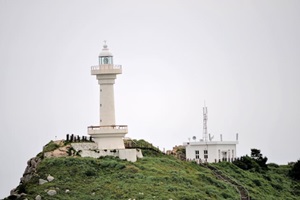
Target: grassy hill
(156, 176)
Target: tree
(255, 162)
(295, 171)
(255, 153)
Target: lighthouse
(107, 134)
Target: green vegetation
(295, 171)
(158, 176)
(270, 184)
(51, 146)
(152, 177)
(256, 162)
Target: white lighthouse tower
(107, 135)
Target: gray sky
(241, 57)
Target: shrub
(51, 146)
(257, 182)
(90, 172)
(295, 171)
(254, 163)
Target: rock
(67, 191)
(30, 169)
(23, 194)
(13, 191)
(50, 178)
(38, 197)
(51, 192)
(42, 181)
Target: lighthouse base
(109, 142)
(90, 150)
(108, 137)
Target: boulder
(50, 178)
(38, 197)
(42, 181)
(51, 192)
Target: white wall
(213, 151)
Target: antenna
(205, 123)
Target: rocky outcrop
(29, 172)
(30, 169)
(59, 152)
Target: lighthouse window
(105, 60)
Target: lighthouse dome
(105, 51)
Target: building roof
(203, 143)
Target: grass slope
(156, 176)
(152, 177)
(266, 184)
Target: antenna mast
(205, 123)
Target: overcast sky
(240, 57)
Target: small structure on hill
(207, 150)
(107, 135)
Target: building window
(197, 154)
(205, 154)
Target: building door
(224, 155)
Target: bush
(295, 171)
(90, 172)
(51, 146)
(254, 163)
(257, 182)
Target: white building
(107, 135)
(211, 151)
(207, 150)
